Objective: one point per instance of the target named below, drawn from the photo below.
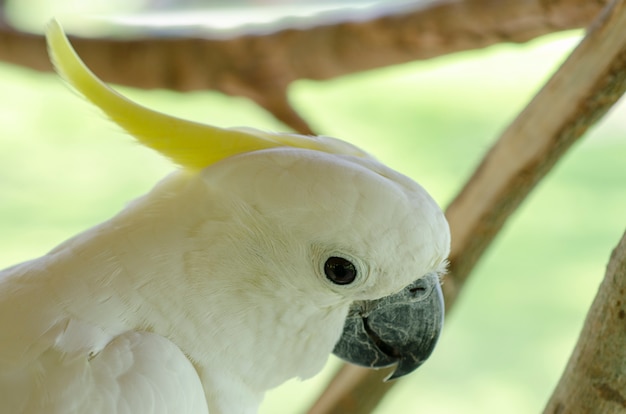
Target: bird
(250, 264)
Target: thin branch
(594, 380)
(261, 66)
(590, 81)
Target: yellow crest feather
(189, 144)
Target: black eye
(339, 270)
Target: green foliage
(63, 168)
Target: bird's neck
(160, 266)
(125, 263)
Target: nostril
(418, 292)
(417, 289)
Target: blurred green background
(64, 168)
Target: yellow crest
(190, 144)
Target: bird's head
(317, 216)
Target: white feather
(223, 268)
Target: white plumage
(212, 288)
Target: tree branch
(261, 66)
(590, 81)
(594, 380)
(584, 88)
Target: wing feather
(136, 372)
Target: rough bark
(584, 88)
(261, 66)
(594, 381)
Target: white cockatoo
(248, 266)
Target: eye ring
(340, 270)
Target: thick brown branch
(594, 380)
(261, 66)
(591, 80)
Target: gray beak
(399, 329)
